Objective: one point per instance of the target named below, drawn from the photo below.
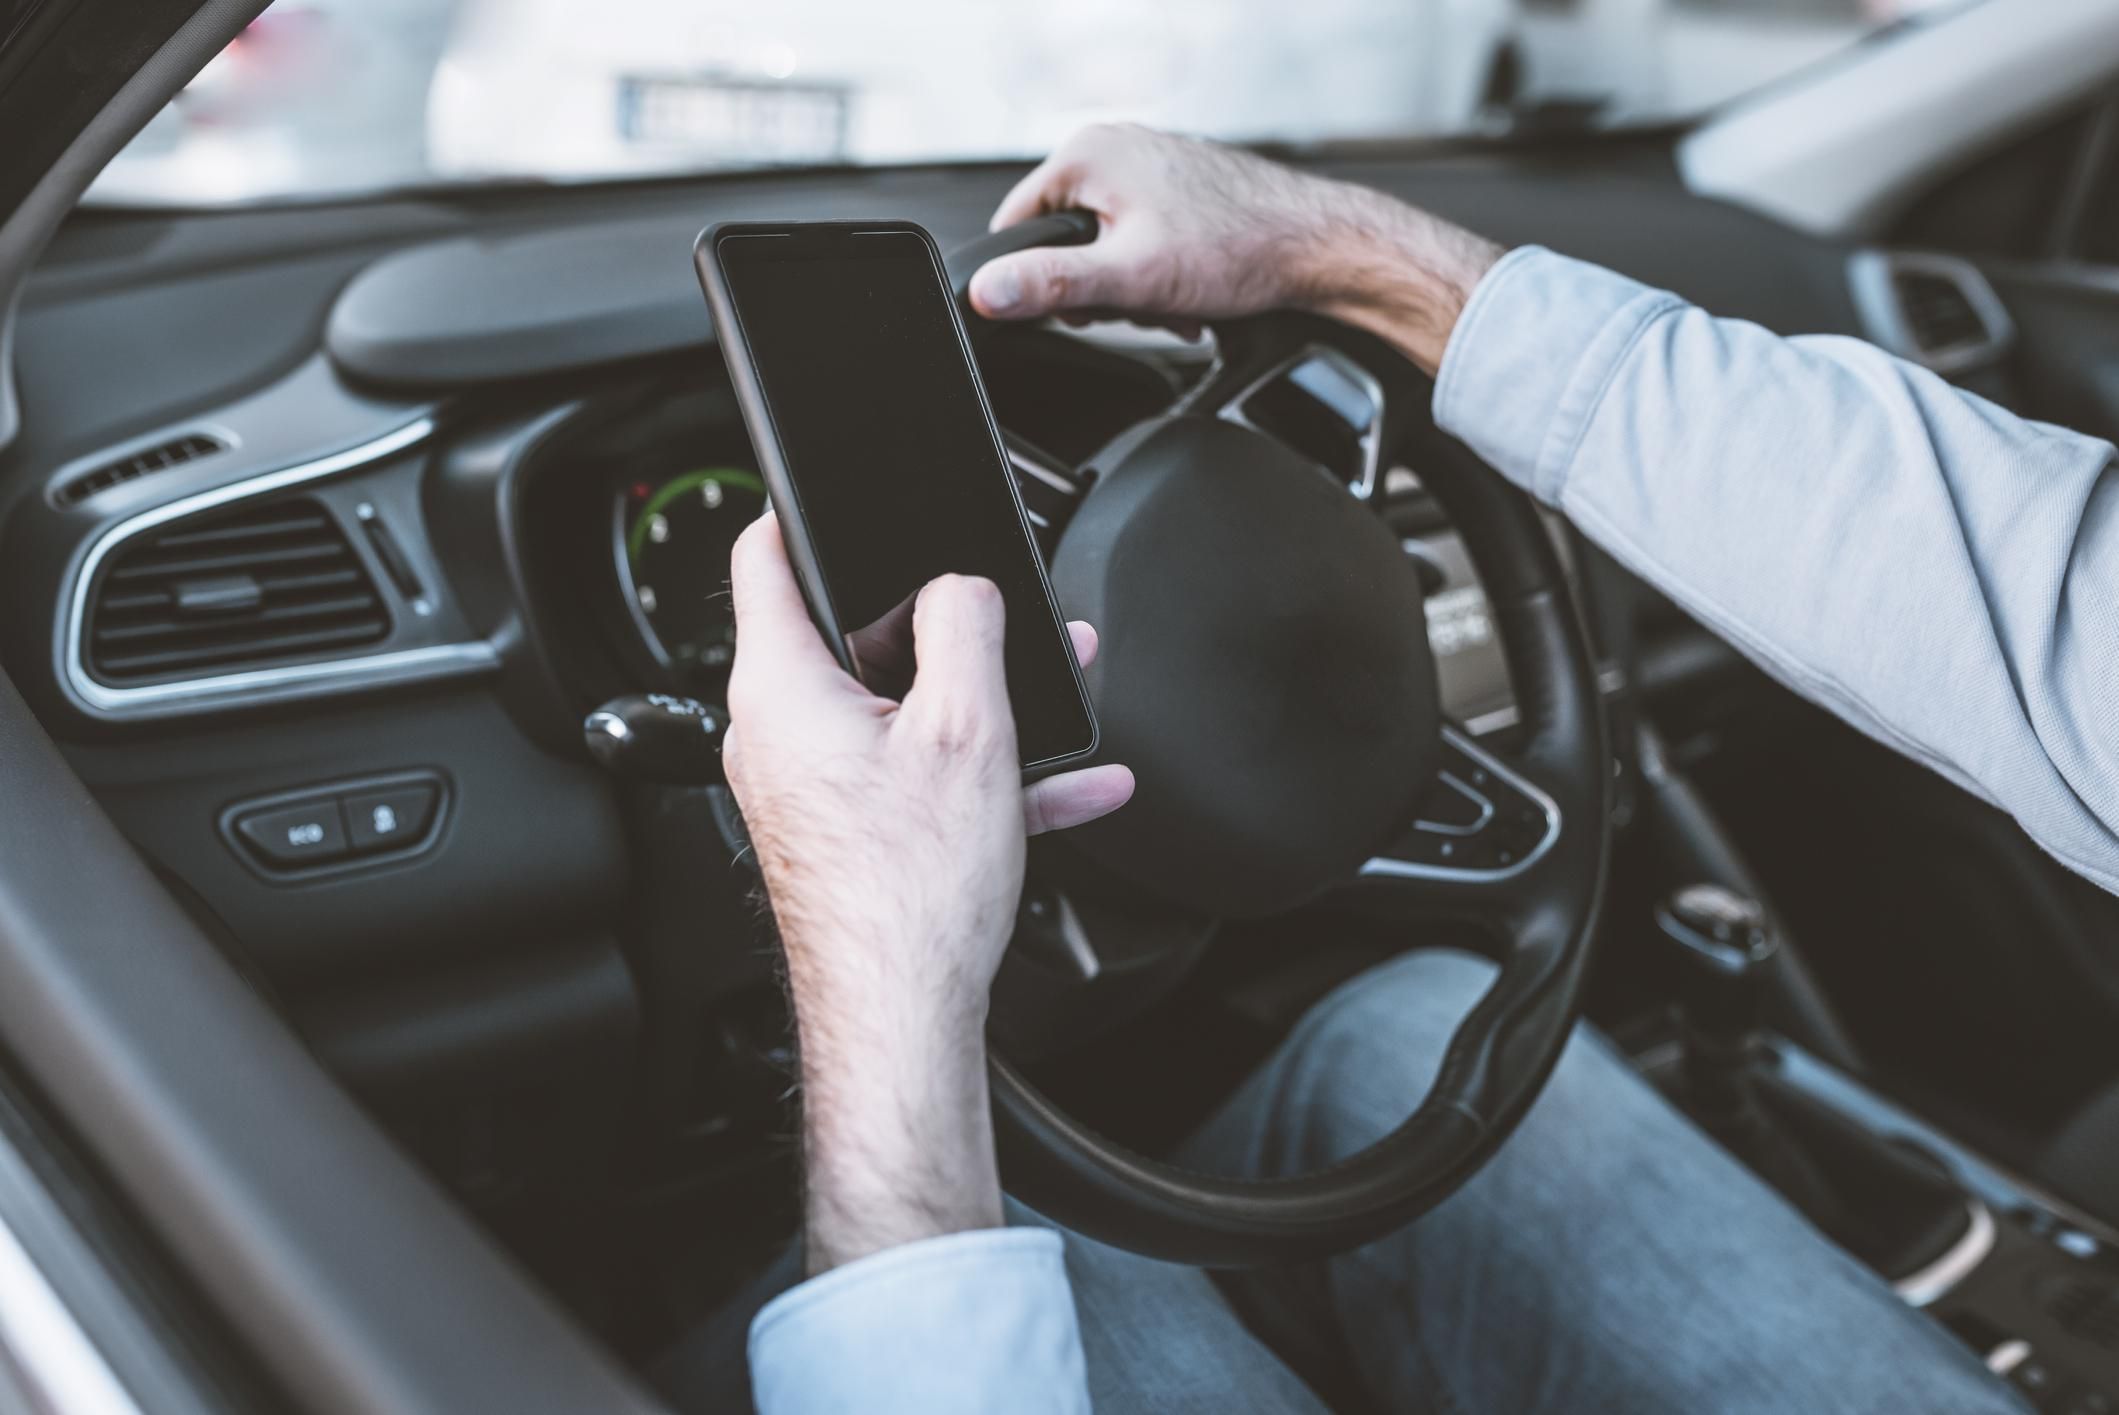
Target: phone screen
(894, 461)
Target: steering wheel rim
(1543, 910)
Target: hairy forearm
(897, 1131)
(1393, 270)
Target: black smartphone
(880, 452)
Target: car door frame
(350, 1282)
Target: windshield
(329, 97)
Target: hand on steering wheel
(1191, 232)
(1266, 674)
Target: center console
(2030, 1283)
(2033, 1286)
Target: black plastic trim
(356, 1282)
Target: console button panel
(294, 837)
(338, 826)
(390, 818)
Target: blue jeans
(1609, 1258)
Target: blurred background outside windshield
(325, 97)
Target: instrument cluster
(670, 542)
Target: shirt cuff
(1531, 356)
(969, 1322)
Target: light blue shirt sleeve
(978, 1323)
(1938, 571)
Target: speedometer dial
(673, 541)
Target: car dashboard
(330, 525)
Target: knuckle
(746, 700)
(1091, 136)
(1049, 279)
(962, 733)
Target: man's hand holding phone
(891, 838)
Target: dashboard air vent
(240, 588)
(1939, 312)
(175, 452)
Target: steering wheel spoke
(1278, 377)
(1480, 823)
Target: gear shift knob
(1725, 949)
(1855, 1183)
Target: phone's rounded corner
(914, 228)
(707, 244)
(1052, 766)
(1096, 733)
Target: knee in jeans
(1367, 1055)
(1402, 1010)
(1370, 1051)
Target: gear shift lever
(1725, 949)
(1881, 1201)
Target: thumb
(1048, 280)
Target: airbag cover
(1265, 669)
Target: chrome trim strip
(1470, 793)
(402, 666)
(1389, 867)
(42, 1342)
(1934, 1281)
(629, 588)
(1029, 467)
(1079, 948)
(379, 667)
(1488, 723)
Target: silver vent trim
(259, 684)
(1872, 278)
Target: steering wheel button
(391, 819)
(290, 837)
(1450, 807)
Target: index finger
(1046, 187)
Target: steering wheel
(1266, 671)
